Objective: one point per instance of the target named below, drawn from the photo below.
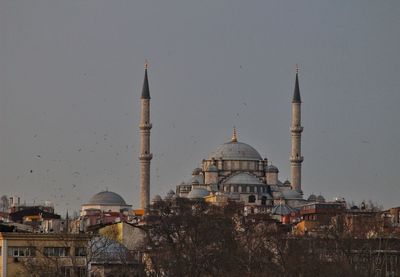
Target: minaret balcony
(296, 129)
(146, 126)
(145, 157)
(296, 159)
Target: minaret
(296, 129)
(145, 155)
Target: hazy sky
(71, 74)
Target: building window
(252, 199)
(21, 251)
(68, 271)
(80, 251)
(56, 251)
(263, 200)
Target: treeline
(186, 238)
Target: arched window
(264, 200)
(252, 199)
(232, 189)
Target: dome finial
(297, 68)
(234, 135)
(146, 64)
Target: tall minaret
(296, 129)
(145, 155)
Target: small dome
(291, 194)
(212, 168)
(235, 151)
(272, 169)
(243, 179)
(195, 182)
(312, 198)
(320, 198)
(107, 198)
(170, 194)
(282, 209)
(196, 171)
(157, 198)
(286, 183)
(198, 193)
(197, 178)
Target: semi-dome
(107, 198)
(198, 193)
(235, 150)
(243, 179)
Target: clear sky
(71, 74)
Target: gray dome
(272, 169)
(312, 198)
(243, 179)
(198, 193)
(157, 198)
(196, 171)
(170, 194)
(235, 151)
(282, 209)
(320, 198)
(212, 168)
(291, 194)
(107, 198)
(197, 178)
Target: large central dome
(107, 198)
(235, 150)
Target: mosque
(235, 171)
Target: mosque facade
(236, 171)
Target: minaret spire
(145, 155)
(234, 135)
(296, 94)
(296, 129)
(145, 89)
